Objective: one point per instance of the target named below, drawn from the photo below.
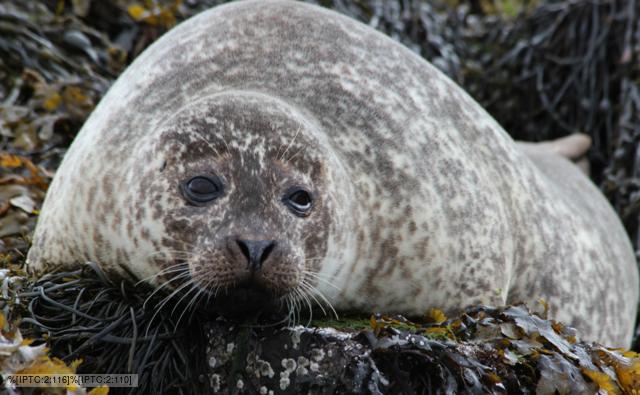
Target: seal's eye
(202, 189)
(299, 201)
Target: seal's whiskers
(166, 299)
(281, 157)
(179, 276)
(313, 290)
(325, 279)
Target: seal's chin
(245, 300)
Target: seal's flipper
(573, 147)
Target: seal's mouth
(247, 298)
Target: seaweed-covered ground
(542, 70)
(507, 350)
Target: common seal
(282, 149)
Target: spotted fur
(422, 199)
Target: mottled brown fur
(422, 199)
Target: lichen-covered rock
(485, 350)
(289, 360)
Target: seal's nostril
(244, 249)
(267, 251)
(256, 251)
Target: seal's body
(283, 147)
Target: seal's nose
(256, 251)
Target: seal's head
(245, 196)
